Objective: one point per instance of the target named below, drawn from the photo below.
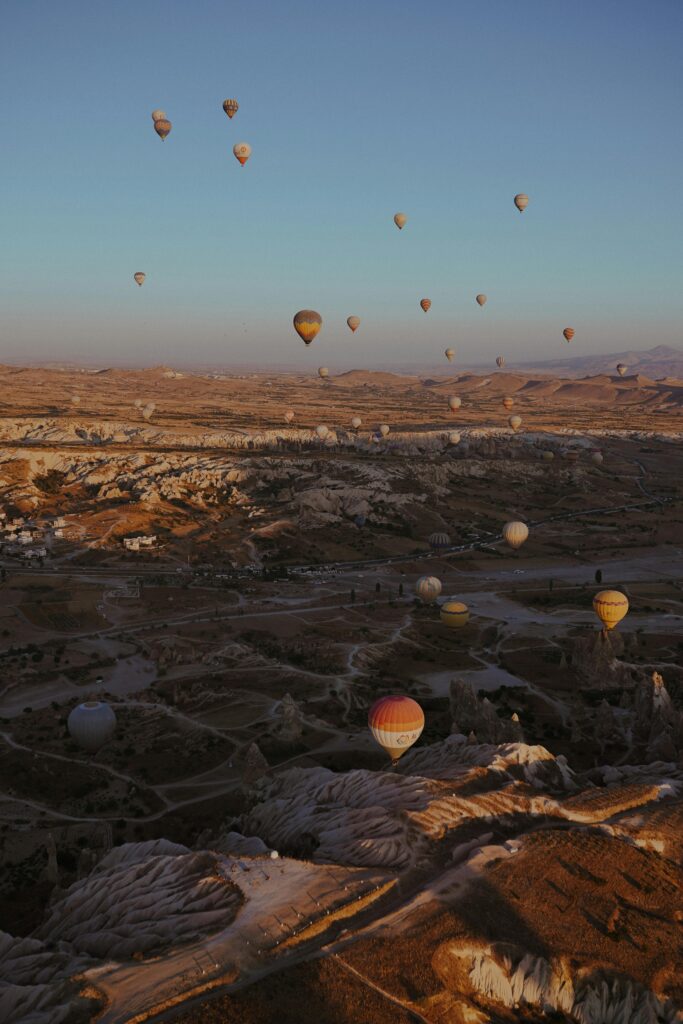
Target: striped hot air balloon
(162, 126)
(428, 588)
(353, 323)
(569, 333)
(454, 614)
(515, 533)
(521, 201)
(396, 722)
(231, 107)
(307, 324)
(610, 606)
(439, 540)
(139, 278)
(426, 304)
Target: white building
(136, 543)
(34, 553)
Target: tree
(353, 596)
(598, 575)
(377, 587)
(400, 590)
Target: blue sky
(441, 109)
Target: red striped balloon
(396, 723)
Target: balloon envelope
(454, 437)
(425, 303)
(515, 533)
(230, 107)
(242, 151)
(454, 402)
(449, 353)
(384, 429)
(508, 403)
(289, 416)
(307, 324)
(622, 369)
(521, 201)
(610, 606)
(323, 372)
(158, 115)
(91, 724)
(569, 333)
(481, 299)
(439, 540)
(596, 458)
(162, 127)
(322, 431)
(139, 278)
(353, 322)
(515, 422)
(356, 422)
(399, 220)
(500, 362)
(396, 723)
(454, 614)
(428, 588)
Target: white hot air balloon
(322, 431)
(515, 533)
(356, 422)
(323, 372)
(384, 429)
(454, 437)
(515, 422)
(428, 588)
(158, 115)
(148, 410)
(91, 724)
(454, 403)
(521, 201)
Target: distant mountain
(658, 362)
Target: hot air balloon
(622, 370)
(307, 324)
(454, 614)
(454, 403)
(610, 606)
(139, 278)
(454, 437)
(515, 533)
(162, 127)
(449, 354)
(356, 422)
(569, 333)
(322, 431)
(500, 362)
(91, 724)
(508, 403)
(425, 303)
(399, 220)
(481, 299)
(158, 115)
(242, 151)
(515, 422)
(323, 372)
(231, 107)
(384, 429)
(137, 403)
(396, 723)
(596, 458)
(428, 588)
(437, 541)
(289, 416)
(521, 201)
(148, 411)
(353, 322)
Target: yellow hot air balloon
(353, 322)
(356, 422)
(242, 151)
(481, 299)
(162, 127)
(515, 422)
(400, 220)
(610, 606)
(289, 416)
(231, 107)
(396, 723)
(425, 303)
(515, 533)
(428, 588)
(500, 362)
(454, 403)
(508, 403)
(521, 201)
(569, 333)
(454, 614)
(323, 372)
(449, 354)
(384, 429)
(307, 324)
(139, 278)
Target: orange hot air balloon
(400, 220)
(521, 201)
(307, 324)
(242, 151)
(231, 107)
(139, 278)
(569, 333)
(481, 299)
(353, 322)
(162, 126)
(508, 403)
(425, 303)
(396, 723)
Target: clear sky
(443, 109)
